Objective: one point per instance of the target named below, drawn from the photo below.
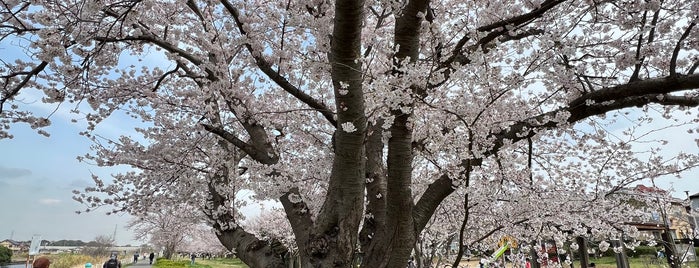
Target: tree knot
(318, 246)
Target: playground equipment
(496, 255)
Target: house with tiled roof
(15, 246)
(674, 214)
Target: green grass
(225, 263)
(610, 262)
(200, 263)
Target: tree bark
(333, 240)
(582, 249)
(669, 245)
(251, 250)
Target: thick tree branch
(299, 216)
(375, 215)
(280, 80)
(11, 93)
(259, 154)
(155, 41)
(634, 94)
(496, 30)
(639, 43)
(252, 250)
(678, 46)
(430, 200)
(524, 18)
(399, 234)
(193, 6)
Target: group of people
(113, 262)
(150, 257)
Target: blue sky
(37, 175)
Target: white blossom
(603, 246)
(348, 127)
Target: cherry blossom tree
(363, 117)
(204, 240)
(271, 225)
(167, 229)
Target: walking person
(151, 257)
(112, 262)
(193, 256)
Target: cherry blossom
(378, 126)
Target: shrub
(5, 255)
(642, 250)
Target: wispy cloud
(11, 173)
(79, 183)
(49, 201)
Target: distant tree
(272, 227)
(203, 239)
(67, 243)
(166, 229)
(100, 246)
(5, 254)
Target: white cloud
(49, 201)
(13, 172)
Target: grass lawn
(200, 263)
(610, 262)
(223, 263)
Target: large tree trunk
(582, 249)
(621, 260)
(334, 238)
(669, 245)
(393, 244)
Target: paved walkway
(141, 264)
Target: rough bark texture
(582, 248)
(673, 260)
(251, 250)
(375, 218)
(299, 217)
(333, 240)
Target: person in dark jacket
(112, 262)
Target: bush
(642, 250)
(166, 263)
(5, 255)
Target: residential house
(665, 210)
(15, 246)
(693, 212)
